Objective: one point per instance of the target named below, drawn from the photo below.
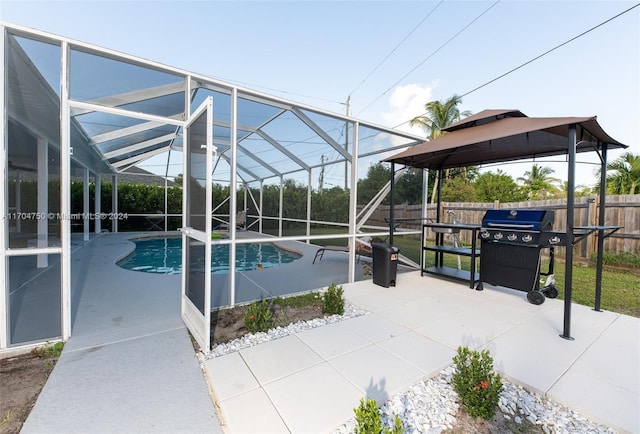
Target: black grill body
(516, 267)
(510, 254)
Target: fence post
(496, 204)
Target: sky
(387, 58)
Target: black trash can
(385, 264)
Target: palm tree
(623, 174)
(539, 181)
(439, 114)
(578, 191)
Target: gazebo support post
(568, 266)
(603, 190)
(439, 237)
(439, 195)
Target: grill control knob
(485, 234)
(512, 237)
(497, 235)
(527, 238)
(554, 240)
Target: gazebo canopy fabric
(493, 136)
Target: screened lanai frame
(115, 111)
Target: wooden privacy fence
(620, 210)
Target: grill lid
(524, 219)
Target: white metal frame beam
(322, 133)
(284, 150)
(373, 204)
(85, 204)
(4, 230)
(136, 96)
(139, 146)
(139, 158)
(259, 160)
(353, 208)
(65, 190)
(78, 106)
(97, 205)
(244, 169)
(233, 206)
(114, 203)
(126, 131)
(269, 139)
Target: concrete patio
(130, 366)
(311, 382)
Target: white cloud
(405, 103)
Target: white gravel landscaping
(431, 405)
(252, 339)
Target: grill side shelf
(462, 251)
(582, 232)
(440, 249)
(452, 273)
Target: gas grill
(511, 246)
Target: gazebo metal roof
(493, 136)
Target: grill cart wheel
(550, 291)
(535, 297)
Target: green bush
(620, 259)
(369, 421)
(259, 317)
(332, 301)
(475, 382)
(49, 350)
(398, 427)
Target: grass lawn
(620, 286)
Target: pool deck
(130, 366)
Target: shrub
(368, 418)
(332, 301)
(475, 382)
(259, 317)
(624, 259)
(49, 350)
(369, 421)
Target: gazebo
(493, 136)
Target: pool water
(164, 256)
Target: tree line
(332, 205)
(467, 184)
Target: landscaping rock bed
(432, 406)
(300, 324)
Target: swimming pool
(164, 256)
